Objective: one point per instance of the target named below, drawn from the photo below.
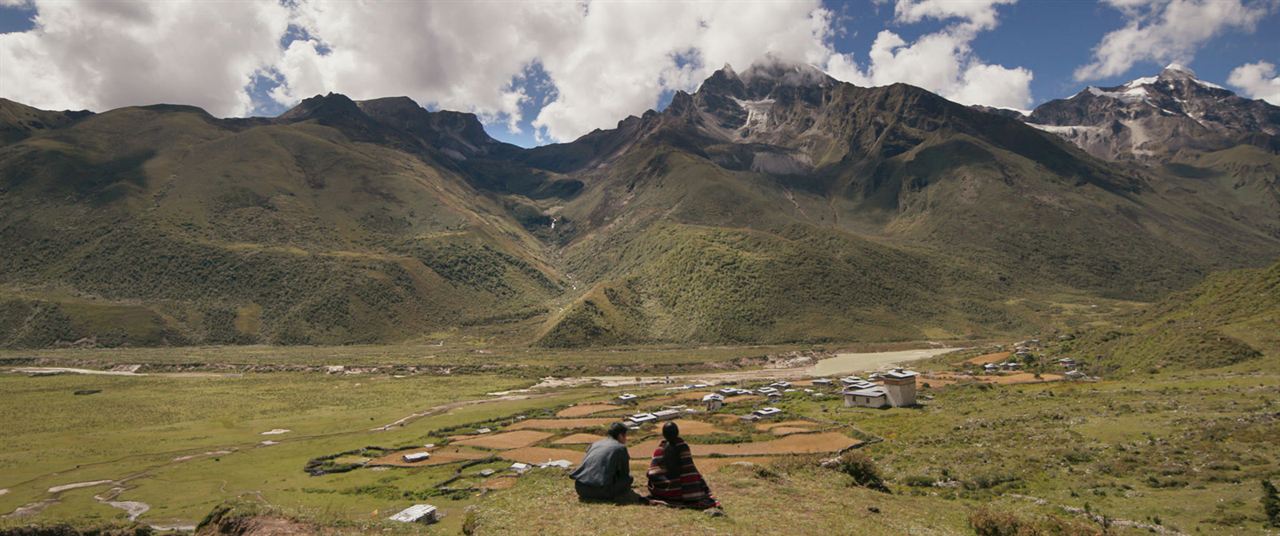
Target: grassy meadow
(1180, 452)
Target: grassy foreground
(1170, 452)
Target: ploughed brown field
(585, 409)
(564, 424)
(578, 439)
(793, 444)
(505, 440)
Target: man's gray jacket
(607, 466)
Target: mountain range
(772, 205)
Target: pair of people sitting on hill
(674, 480)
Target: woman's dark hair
(671, 431)
(670, 454)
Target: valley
(244, 325)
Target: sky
(539, 72)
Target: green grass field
(1183, 451)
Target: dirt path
(455, 405)
(841, 364)
(36, 371)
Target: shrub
(858, 465)
(988, 522)
(1271, 503)
(918, 481)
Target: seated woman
(673, 479)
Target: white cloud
(1257, 80)
(605, 60)
(456, 55)
(942, 61)
(1166, 31)
(980, 13)
(102, 55)
(628, 52)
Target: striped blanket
(687, 488)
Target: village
(726, 421)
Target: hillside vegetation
(1231, 317)
(846, 213)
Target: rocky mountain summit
(1154, 118)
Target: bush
(919, 481)
(1271, 503)
(988, 522)
(858, 465)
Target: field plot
(690, 427)
(578, 439)
(794, 444)
(563, 424)
(996, 357)
(536, 455)
(788, 430)
(583, 410)
(766, 426)
(505, 440)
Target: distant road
(841, 364)
(849, 363)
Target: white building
(869, 397)
(713, 401)
(626, 398)
(900, 385)
(666, 414)
(418, 513)
(415, 457)
(641, 418)
(765, 413)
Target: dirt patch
(578, 439)
(439, 456)
(697, 428)
(201, 455)
(1021, 377)
(997, 357)
(78, 485)
(766, 426)
(499, 482)
(792, 444)
(505, 440)
(585, 409)
(563, 424)
(537, 455)
(32, 509)
(788, 430)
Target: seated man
(605, 473)
(673, 478)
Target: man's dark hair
(617, 429)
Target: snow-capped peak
(1180, 67)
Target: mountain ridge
(771, 205)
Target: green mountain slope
(1231, 317)
(772, 205)
(217, 231)
(881, 213)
